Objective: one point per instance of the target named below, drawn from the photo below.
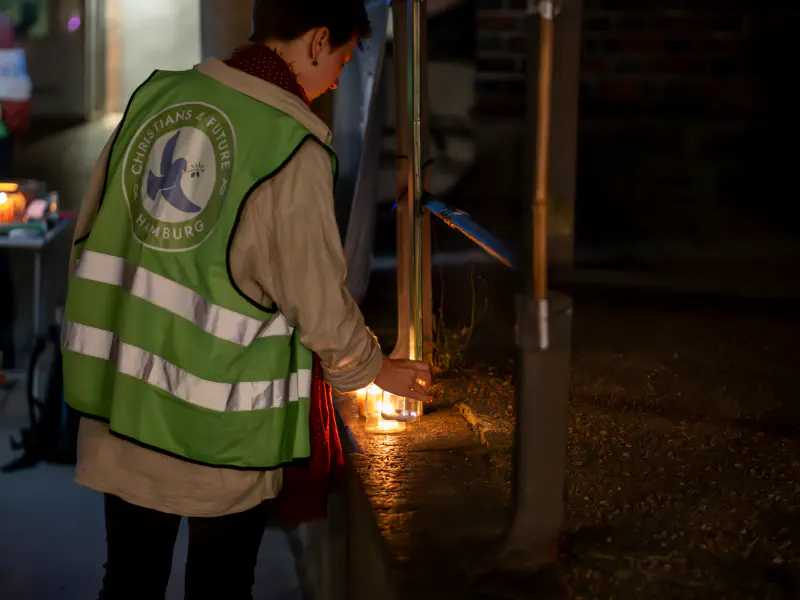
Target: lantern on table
(6, 208)
(12, 203)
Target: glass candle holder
(373, 396)
(361, 401)
(400, 408)
(373, 405)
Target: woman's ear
(319, 39)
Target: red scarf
(306, 485)
(265, 63)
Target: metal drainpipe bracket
(548, 9)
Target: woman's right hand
(404, 377)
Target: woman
(209, 270)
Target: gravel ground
(684, 451)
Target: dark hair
(287, 20)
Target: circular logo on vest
(177, 171)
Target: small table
(36, 244)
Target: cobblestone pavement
(52, 538)
(684, 450)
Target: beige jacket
(286, 249)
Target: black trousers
(221, 562)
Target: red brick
(626, 92)
(611, 5)
(499, 86)
(688, 65)
(683, 25)
(632, 24)
(677, 46)
(597, 24)
(741, 97)
(639, 45)
(499, 105)
(610, 46)
(518, 44)
(497, 64)
(731, 23)
(634, 65)
(498, 23)
(595, 66)
(726, 46)
(590, 47)
(492, 43)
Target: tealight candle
(400, 408)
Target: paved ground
(684, 448)
(52, 537)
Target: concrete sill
(422, 509)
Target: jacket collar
(265, 92)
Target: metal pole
(427, 241)
(416, 332)
(404, 176)
(546, 33)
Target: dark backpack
(53, 432)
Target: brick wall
(686, 106)
(641, 55)
(652, 56)
(500, 57)
(698, 62)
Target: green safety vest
(158, 341)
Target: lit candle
(399, 408)
(361, 399)
(6, 208)
(373, 405)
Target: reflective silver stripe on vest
(179, 300)
(147, 367)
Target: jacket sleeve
(91, 202)
(299, 262)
